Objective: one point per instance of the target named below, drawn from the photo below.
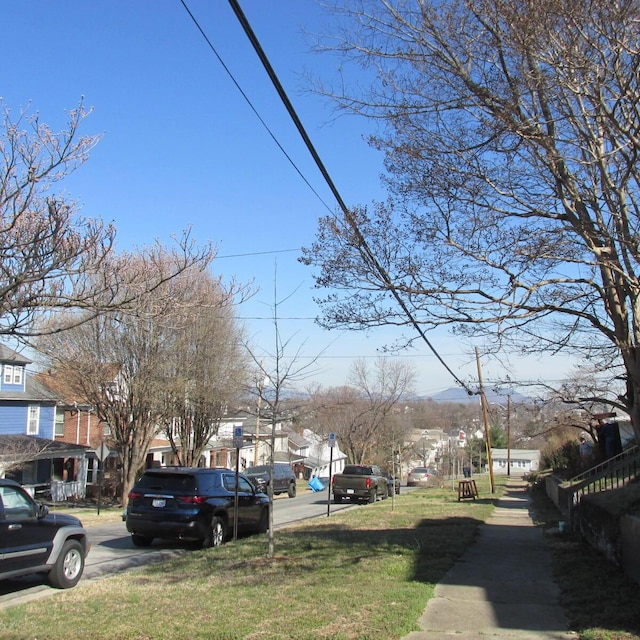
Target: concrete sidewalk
(502, 587)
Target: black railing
(614, 473)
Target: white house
(520, 461)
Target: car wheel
(292, 490)
(68, 567)
(215, 534)
(263, 524)
(372, 497)
(397, 491)
(337, 499)
(141, 541)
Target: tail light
(368, 483)
(191, 499)
(134, 495)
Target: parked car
(359, 482)
(421, 476)
(284, 479)
(32, 540)
(193, 504)
(394, 484)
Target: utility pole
(485, 414)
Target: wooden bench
(467, 489)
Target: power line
(256, 253)
(351, 221)
(362, 243)
(248, 101)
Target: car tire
(372, 497)
(291, 492)
(263, 523)
(68, 567)
(216, 534)
(141, 541)
(337, 499)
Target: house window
(59, 424)
(34, 420)
(12, 374)
(106, 430)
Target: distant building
(520, 461)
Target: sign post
(237, 443)
(102, 453)
(332, 444)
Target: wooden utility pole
(485, 415)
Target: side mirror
(43, 510)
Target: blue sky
(182, 148)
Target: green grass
(363, 574)
(88, 513)
(359, 574)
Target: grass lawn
(363, 574)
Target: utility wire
(351, 221)
(248, 101)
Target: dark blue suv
(194, 504)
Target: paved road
(112, 550)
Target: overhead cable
(349, 217)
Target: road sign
(102, 452)
(238, 440)
(332, 439)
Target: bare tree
(53, 259)
(277, 371)
(512, 157)
(46, 245)
(362, 414)
(205, 368)
(115, 361)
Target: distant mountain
(456, 394)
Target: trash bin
(466, 472)
(315, 484)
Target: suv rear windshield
(167, 482)
(261, 469)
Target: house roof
(58, 384)
(11, 356)
(41, 447)
(34, 391)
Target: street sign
(332, 439)
(102, 452)
(238, 440)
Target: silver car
(421, 477)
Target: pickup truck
(359, 482)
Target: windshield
(260, 469)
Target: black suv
(196, 504)
(32, 540)
(284, 480)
